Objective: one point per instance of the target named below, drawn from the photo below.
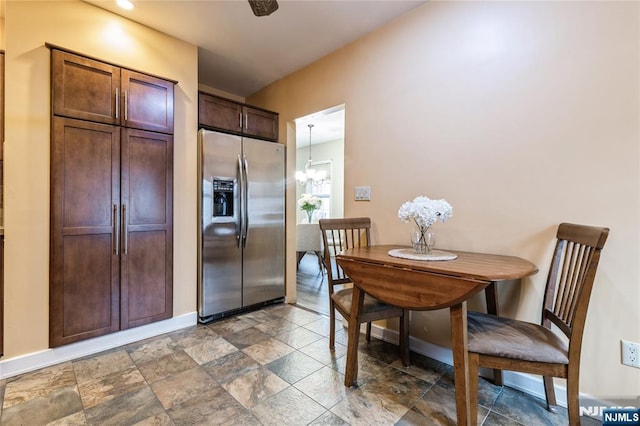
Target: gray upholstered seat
(504, 337)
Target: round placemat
(434, 255)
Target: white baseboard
(526, 383)
(33, 361)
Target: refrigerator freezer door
(220, 286)
(263, 274)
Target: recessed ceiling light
(125, 4)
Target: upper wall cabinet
(147, 102)
(223, 114)
(1, 103)
(100, 92)
(260, 123)
(84, 88)
(219, 113)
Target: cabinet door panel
(84, 88)
(146, 265)
(147, 102)
(259, 123)
(1, 109)
(220, 114)
(89, 297)
(148, 297)
(88, 177)
(148, 185)
(84, 264)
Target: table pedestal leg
(458, 315)
(491, 297)
(351, 370)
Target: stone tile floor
(268, 367)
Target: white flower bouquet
(424, 212)
(309, 203)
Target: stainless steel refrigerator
(241, 224)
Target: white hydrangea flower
(425, 211)
(309, 202)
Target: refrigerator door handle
(240, 220)
(245, 203)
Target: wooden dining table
(426, 285)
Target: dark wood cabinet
(84, 88)
(111, 207)
(147, 102)
(85, 208)
(218, 113)
(93, 90)
(260, 123)
(1, 202)
(1, 110)
(146, 249)
(1, 295)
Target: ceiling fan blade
(263, 7)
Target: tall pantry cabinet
(1, 202)
(111, 246)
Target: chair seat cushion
(508, 338)
(371, 304)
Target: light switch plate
(363, 193)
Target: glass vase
(309, 215)
(423, 239)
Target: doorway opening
(320, 166)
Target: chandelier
(310, 175)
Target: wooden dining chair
(507, 344)
(339, 235)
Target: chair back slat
(581, 264)
(339, 235)
(571, 275)
(567, 284)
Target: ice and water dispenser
(223, 197)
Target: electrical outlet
(630, 353)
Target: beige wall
(83, 28)
(522, 115)
(213, 91)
